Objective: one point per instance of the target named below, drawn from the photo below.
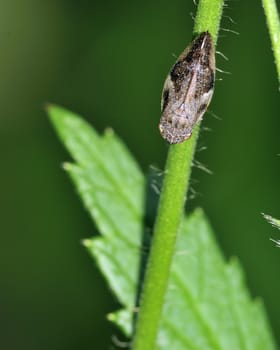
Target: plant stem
(273, 23)
(175, 186)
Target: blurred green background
(107, 60)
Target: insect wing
(188, 90)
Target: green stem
(175, 186)
(273, 23)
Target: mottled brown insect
(188, 90)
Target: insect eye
(165, 98)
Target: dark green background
(107, 60)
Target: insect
(188, 90)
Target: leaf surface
(207, 304)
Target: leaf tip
(109, 132)
(198, 212)
(47, 106)
(111, 317)
(66, 166)
(87, 242)
(52, 110)
(57, 115)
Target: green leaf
(210, 296)
(112, 189)
(207, 305)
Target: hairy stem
(273, 23)
(175, 187)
